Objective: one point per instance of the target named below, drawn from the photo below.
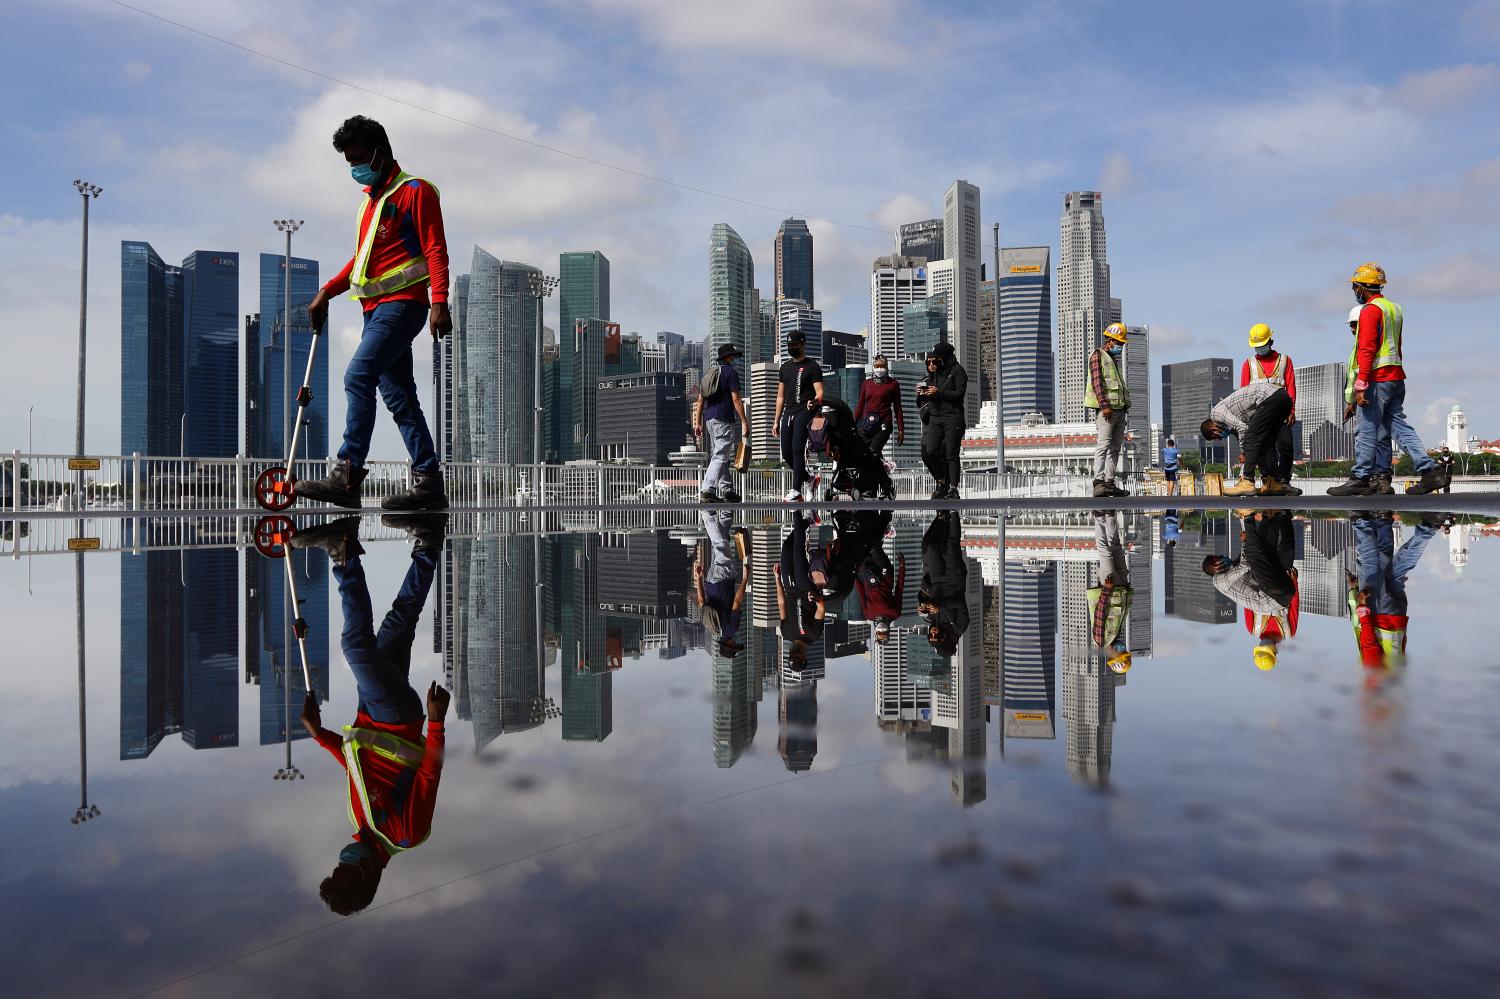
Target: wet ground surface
(659, 778)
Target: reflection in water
(393, 774)
(1262, 580)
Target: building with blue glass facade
(1025, 350)
(926, 323)
(266, 435)
(151, 399)
(500, 354)
(794, 261)
(267, 664)
(582, 293)
(210, 363)
(733, 305)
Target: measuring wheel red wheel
(273, 534)
(275, 489)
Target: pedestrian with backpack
(720, 414)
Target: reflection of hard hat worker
(1265, 656)
(1120, 661)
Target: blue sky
(1249, 156)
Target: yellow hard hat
(1369, 273)
(1115, 331)
(1119, 663)
(1260, 335)
(1265, 657)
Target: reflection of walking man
(1377, 595)
(943, 599)
(393, 773)
(720, 585)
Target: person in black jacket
(943, 599)
(941, 398)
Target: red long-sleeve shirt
(1273, 627)
(1267, 367)
(406, 797)
(412, 226)
(881, 399)
(1366, 625)
(882, 601)
(1370, 333)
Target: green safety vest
(1114, 386)
(1114, 617)
(1277, 375)
(403, 751)
(1392, 640)
(1388, 354)
(403, 275)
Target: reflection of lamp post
(85, 811)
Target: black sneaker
(1102, 489)
(1380, 485)
(339, 538)
(341, 487)
(426, 493)
(941, 491)
(730, 496)
(953, 493)
(1356, 486)
(707, 497)
(1115, 490)
(427, 529)
(1431, 481)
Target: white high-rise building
(795, 314)
(1138, 381)
(895, 283)
(962, 244)
(1083, 304)
(1458, 431)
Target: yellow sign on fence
(83, 464)
(83, 544)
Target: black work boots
(341, 487)
(339, 538)
(426, 493)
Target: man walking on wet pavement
(1375, 389)
(721, 416)
(392, 773)
(941, 398)
(1110, 597)
(799, 386)
(399, 274)
(1255, 414)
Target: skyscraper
(150, 352)
(895, 283)
(923, 239)
(961, 241)
(211, 363)
(1026, 332)
(795, 314)
(732, 302)
(926, 323)
(151, 596)
(582, 293)
(273, 392)
(1320, 410)
(763, 343)
(1029, 694)
(794, 261)
(587, 356)
(1189, 390)
(449, 388)
(1138, 381)
(1082, 298)
(500, 345)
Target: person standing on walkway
(1109, 397)
(943, 396)
(1445, 462)
(1170, 460)
(722, 417)
(1270, 365)
(1254, 414)
(799, 387)
(1375, 388)
(399, 275)
(879, 409)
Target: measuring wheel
(272, 534)
(275, 489)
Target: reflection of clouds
(1168, 644)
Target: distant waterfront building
(266, 436)
(450, 386)
(590, 342)
(211, 349)
(732, 303)
(795, 314)
(1138, 380)
(500, 356)
(583, 292)
(923, 239)
(763, 343)
(1189, 390)
(842, 349)
(267, 663)
(642, 417)
(794, 261)
(151, 344)
(926, 325)
(760, 405)
(1320, 411)
(1083, 306)
(1026, 332)
(961, 217)
(1458, 431)
(989, 364)
(1190, 593)
(895, 283)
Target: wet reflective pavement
(1177, 752)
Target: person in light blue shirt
(1169, 462)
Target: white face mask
(881, 374)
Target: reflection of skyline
(1190, 595)
(266, 663)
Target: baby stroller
(858, 472)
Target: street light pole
(287, 226)
(88, 192)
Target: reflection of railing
(146, 484)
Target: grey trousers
(1109, 550)
(722, 436)
(1111, 439)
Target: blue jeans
(1382, 572)
(381, 661)
(383, 360)
(1382, 419)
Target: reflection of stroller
(858, 472)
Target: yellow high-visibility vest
(1388, 354)
(1114, 386)
(403, 275)
(403, 751)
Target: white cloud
(838, 32)
(1462, 276)
(136, 70)
(1442, 88)
(1426, 212)
(1165, 336)
(899, 209)
(1115, 177)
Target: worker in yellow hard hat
(1265, 656)
(1271, 365)
(1119, 661)
(1375, 389)
(1109, 397)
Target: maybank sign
(1026, 269)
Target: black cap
(796, 336)
(728, 350)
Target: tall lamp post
(541, 287)
(85, 810)
(287, 226)
(88, 192)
